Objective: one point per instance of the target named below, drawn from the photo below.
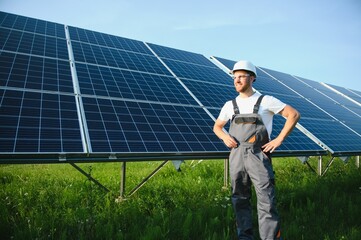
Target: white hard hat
(244, 65)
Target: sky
(317, 40)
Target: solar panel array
(75, 94)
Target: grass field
(55, 201)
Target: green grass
(55, 201)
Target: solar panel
(38, 112)
(347, 98)
(111, 57)
(317, 110)
(321, 96)
(180, 55)
(213, 87)
(349, 94)
(25, 24)
(126, 126)
(344, 103)
(38, 122)
(124, 84)
(133, 103)
(107, 40)
(344, 123)
(24, 71)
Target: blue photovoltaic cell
(227, 63)
(348, 92)
(328, 92)
(116, 83)
(122, 126)
(197, 72)
(335, 135)
(266, 85)
(35, 122)
(339, 99)
(180, 55)
(35, 44)
(37, 73)
(325, 103)
(104, 56)
(26, 24)
(296, 141)
(192, 66)
(357, 95)
(211, 95)
(38, 112)
(348, 117)
(101, 39)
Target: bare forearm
(289, 126)
(219, 132)
(225, 137)
(292, 116)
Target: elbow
(297, 116)
(215, 128)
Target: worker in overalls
(251, 116)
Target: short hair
(251, 73)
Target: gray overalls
(249, 164)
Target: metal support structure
(321, 172)
(303, 159)
(226, 170)
(177, 164)
(358, 161)
(319, 168)
(89, 177)
(145, 179)
(311, 167)
(122, 180)
(328, 165)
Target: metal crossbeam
(89, 177)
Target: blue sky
(318, 40)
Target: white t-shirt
(269, 106)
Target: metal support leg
(89, 177)
(226, 169)
(122, 180)
(320, 165)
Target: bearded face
(242, 81)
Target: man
(251, 119)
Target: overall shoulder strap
(235, 107)
(256, 106)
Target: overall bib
(249, 164)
